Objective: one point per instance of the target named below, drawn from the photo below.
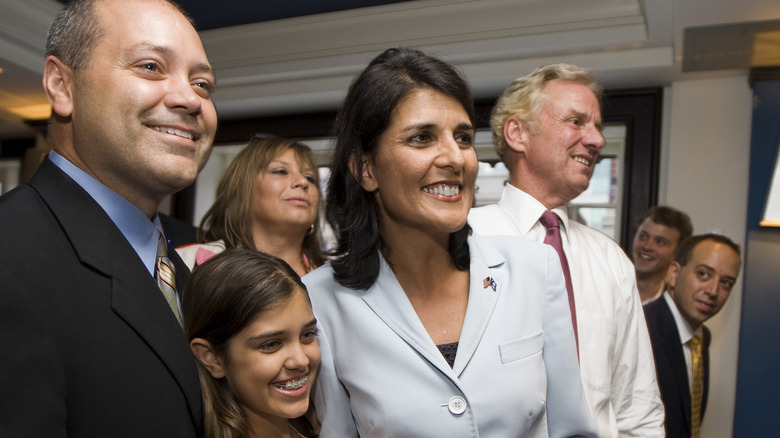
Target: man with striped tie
(89, 329)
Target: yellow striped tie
(697, 385)
(165, 274)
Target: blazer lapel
(137, 299)
(485, 286)
(135, 296)
(389, 302)
(706, 339)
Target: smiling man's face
(702, 286)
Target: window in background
(599, 206)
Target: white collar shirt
(686, 334)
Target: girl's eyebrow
(277, 333)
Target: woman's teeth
(442, 189)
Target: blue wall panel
(758, 372)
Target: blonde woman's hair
(229, 218)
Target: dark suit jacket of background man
(671, 368)
(89, 343)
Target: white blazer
(515, 374)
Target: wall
(759, 352)
(705, 173)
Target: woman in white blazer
(426, 331)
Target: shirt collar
(530, 210)
(683, 327)
(138, 229)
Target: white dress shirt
(686, 334)
(617, 374)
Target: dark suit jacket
(177, 231)
(671, 368)
(89, 345)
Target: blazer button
(457, 405)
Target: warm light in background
(766, 49)
(772, 209)
(32, 112)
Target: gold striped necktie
(697, 385)
(165, 274)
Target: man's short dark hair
(669, 217)
(686, 247)
(76, 30)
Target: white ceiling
(306, 63)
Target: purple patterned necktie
(553, 238)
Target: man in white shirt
(547, 130)
(700, 279)
(659, 232)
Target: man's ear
(515, 134)
(202, 350)
(671, 276)
(366, 177)
(58, 82)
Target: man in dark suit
(700, 279)
(177, 231)
(91, 345)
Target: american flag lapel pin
(489, 282)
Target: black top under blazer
(89, 345)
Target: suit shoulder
(319, 276)
(651, 309)
(18, 201)
(321, 285)
(25, 221)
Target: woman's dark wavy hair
(365, 114)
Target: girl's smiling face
(271, 364)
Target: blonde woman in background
(267, 200)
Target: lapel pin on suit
(489, 282)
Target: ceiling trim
(425, 23)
